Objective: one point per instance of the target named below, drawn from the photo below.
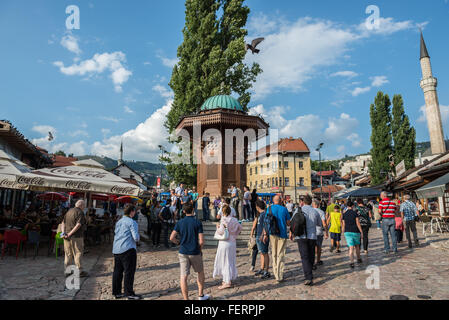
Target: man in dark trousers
(307, 242)
(206, 205)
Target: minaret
(120, 160)
(429, 86)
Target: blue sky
(108, 81)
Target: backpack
(239, 195)
(271, 224)
(166, 213)
(298, 223)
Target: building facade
(359, 165)
(285, 169)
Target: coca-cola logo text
(122, 190)
(35, 181)
(81, 185)
(86, 173)
(5, 183)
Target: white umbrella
(10, 168)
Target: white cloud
(79, 133)
(105, 131)
(163, 91)
(128, 109)
(139, 143)
(348, 74)
(444, 110)
(357, 91)
(147, 63)
(388, 26)
(311, 128)
(355, 140)
(341, 149)
(379, 81)
(340, 128)
(170, 63)
(44, 130)
(100, 63)
(291, 55)
(108, 118)
(70, 42)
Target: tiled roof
(61, 161)
(285, 144)
(327, 189)
(325, 173)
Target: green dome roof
(222, 101)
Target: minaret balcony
(429, 84)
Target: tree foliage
(210, 63)
(381, 139)
(211, 57)
(404, 135)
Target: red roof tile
(327, 189)
(285, 144)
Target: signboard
(158, 182)
(400, 168)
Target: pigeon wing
(255, 42)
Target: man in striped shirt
(387, 209)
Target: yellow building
(285, 169)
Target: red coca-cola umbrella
(95, 196)
(50, 196)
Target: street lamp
(162, 154)
(321, 174)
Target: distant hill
(424, 146)
(150, 171)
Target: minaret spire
(120, 160)
(429, 86)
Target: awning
(433, 189)
(10, 167)
(362, 193)
(83, 176)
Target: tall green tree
(210, 61)
(381, 139)
(404, 135)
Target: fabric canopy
(341, 193)
(433, 189)
(83, 176)
(10, 167)
(362, 193)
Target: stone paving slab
(412, 272)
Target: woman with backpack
(365, 222)
(225, 259)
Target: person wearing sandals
(262, 240)
(334, 223)
(351, 228)
(225, 259)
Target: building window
(286, 164)
(261, 183)
(287, 182)
(255, 169)
(261, 169)
(301, 165)
(280, 164)
(276, 182)
(250, 184)
(268, 165)
(268, 183)
(272, 182)
(250, 171)
(255, 184)
(301, 182)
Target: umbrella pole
(13, 203)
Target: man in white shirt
(289, 207)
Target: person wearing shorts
(353, 232)
(334, 222)
(191, 242)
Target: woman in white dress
(226, 256)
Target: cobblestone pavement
(421, 271)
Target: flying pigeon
(50, 136)
(253, 45)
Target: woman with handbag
(225, 260)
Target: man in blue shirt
(191, 236)
(125, 254)
(279, 242)
(307, 242)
